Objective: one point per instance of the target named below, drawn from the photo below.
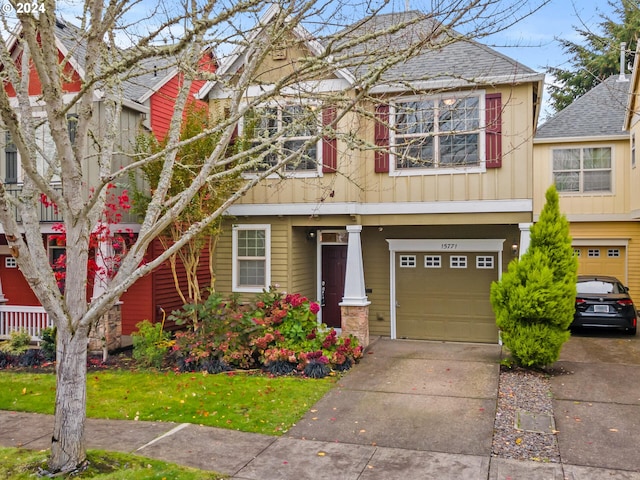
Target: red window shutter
(329, 143)
(493, 131)
(381, 135)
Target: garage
(602, 260)
(442, 293)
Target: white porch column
(525, 237)
(354, 307)
(354, 291)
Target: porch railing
(46, 213)
(21, 317)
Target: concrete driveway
(597, 401)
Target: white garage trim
(589, 242)
(436, 245)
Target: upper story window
(582, 169)
(46, 162)
(286, 130)
(435, 133)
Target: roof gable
(235, 62)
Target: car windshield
(599, 287)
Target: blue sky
(533, 39)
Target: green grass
(238, 401)
(18, 464)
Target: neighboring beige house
(415, 231)
(587, 151)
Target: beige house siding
(603, 233)
(303, 264)
(359, 183)
(575, 205)
(634, 177)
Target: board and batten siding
(579, 205)
(359, 182)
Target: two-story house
(416, 209)
(586, 151)
(149, 92)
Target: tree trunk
(68, 443)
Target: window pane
(597, 158)
(298, 121)
(307, 160)
(566, 159)
(414, 117)
(459, 150)
(567, 181)
(597, 181)
(459, 115)
(415, 153)
(251, 243)
(251, 272)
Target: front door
(334, 265)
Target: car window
(599, 287)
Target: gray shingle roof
(599, 112)
(442, 60)
(73, 40)
(145, 75)
(137, 82)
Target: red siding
(137, 304)
(162, 102)
(164, 290)
(73, 84)
(15, 286)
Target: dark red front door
(334, 264)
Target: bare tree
(105, 54)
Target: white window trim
(406, 172)
(235, 274)
(282, 172)
(581, 192)
(485, 262)
(408, 261)
(458, 261)
(433, 261)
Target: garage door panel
(603, 260)
(445, 303)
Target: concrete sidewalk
(410, 410)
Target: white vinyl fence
(20, 317)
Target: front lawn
(239, 401)
(18, 464)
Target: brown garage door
(445, 296)
(602, 260)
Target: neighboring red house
(150, 100)
(158, 88)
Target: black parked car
(603, 301)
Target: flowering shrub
(278, 332)
(290, 324)
(219, 339)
